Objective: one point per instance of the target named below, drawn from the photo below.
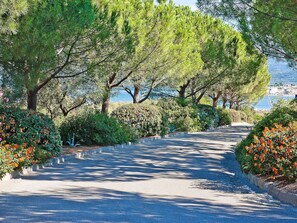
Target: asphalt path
(192, 178)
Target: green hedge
(209, 116)
(224, 117)
(145, 120)
(282, 116)
(178, 117)
(95, 129)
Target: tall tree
(60, 39)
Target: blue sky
(191, 3)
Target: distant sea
(267, 102)
(280, 73)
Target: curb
(79, 155)
(272, 189)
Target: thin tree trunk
(215, 102)
(200, 97)
(182, 90)
(136, 93)
(237, 106)
(224, 103)
(106, 101)
(231, 103)
(32, 99)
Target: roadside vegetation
(62, 61)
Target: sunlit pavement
(193, 178)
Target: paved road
(182, 179)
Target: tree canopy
(270, 25)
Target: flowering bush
(282, 116)
(15, 157)
(19, 126)
(275, 152)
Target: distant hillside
(282, 73)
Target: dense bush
(209, 116)
(282, 116)
(145, 120)
(95, 129)
(224, 117)
(275, 152)
(178, 116)
(235, 115)
(14, 156)
(27, 127)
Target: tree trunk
(224, 103)
(182, 92)
(231, 103)
(200, 97)
(136, 94)
(106, 101)
(32, 100)
(237, 106)
(215, 102)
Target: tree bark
(182, 90)
(106, 101)
(215, 99)
(136, 94)
(231, 103)
(32, 99)
(215, 102)
(200, 97)
(224, 103)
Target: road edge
(272, 189)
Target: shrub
(177, 117)
(27, 127)
(275, 152)
(235, 115)
(282, 116)
(95, 129)
(224, 117)
(209, 116)
(144, 119)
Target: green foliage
(282, 116)
(269, 25)
(179, 116)
(209, 116)
(144, 119)
(224, 117)
(95, 129)
(6, 166)
(34, 129)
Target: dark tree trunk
(136, 94)
(215, 102)
(237, 106)
(224, 103)
(200, 97)
(32, 100)
(231, 103)
(182, 90)
(106, 101)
